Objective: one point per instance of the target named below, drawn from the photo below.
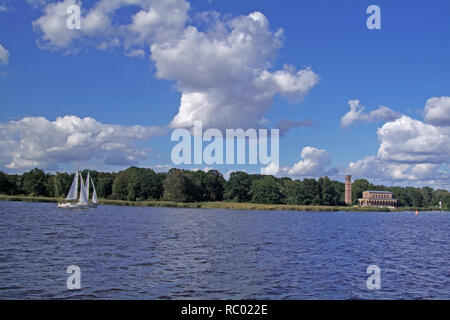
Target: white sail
(94, 194)
(73, 193)
(83, 197)
(86, 186)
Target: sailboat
(83, 199)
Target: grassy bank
(216, 205)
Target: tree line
(139, 184)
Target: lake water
(166, 253)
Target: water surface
(168, 253)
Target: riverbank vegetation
(218, 205)
(199, 189)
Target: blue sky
(401, 66)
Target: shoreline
(221, 205)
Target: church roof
(388, 192)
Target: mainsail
(73, 193)
(94, 194)
(83, 197)
(86, 186)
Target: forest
(140, 184)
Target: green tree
(339, 191)
(415, 196)
(120, 185)
(265, 190)
(62, 183)
(327, 192)
(358, 187)
(293, 192)
(238, 186)
(6, 186)
(35, 183)
(143, 184)
(213, 185)
(197, 190)
(50, 184)
(178, 186)
(134, 186)
(427, 196)
(311, 192)
(401, 196)
(104, 187)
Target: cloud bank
(411, 151)
(38, 142)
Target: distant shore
(220, 205)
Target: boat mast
(86, 186)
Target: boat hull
(77, 205)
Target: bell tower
(348, 189)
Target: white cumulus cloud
(357, 115)
(437, 111)
(156, 21)
(271, 169)
(222, 73)
(412, 141)
(53, 27)
(38, 142)
(315, 163)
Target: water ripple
(168, 253)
